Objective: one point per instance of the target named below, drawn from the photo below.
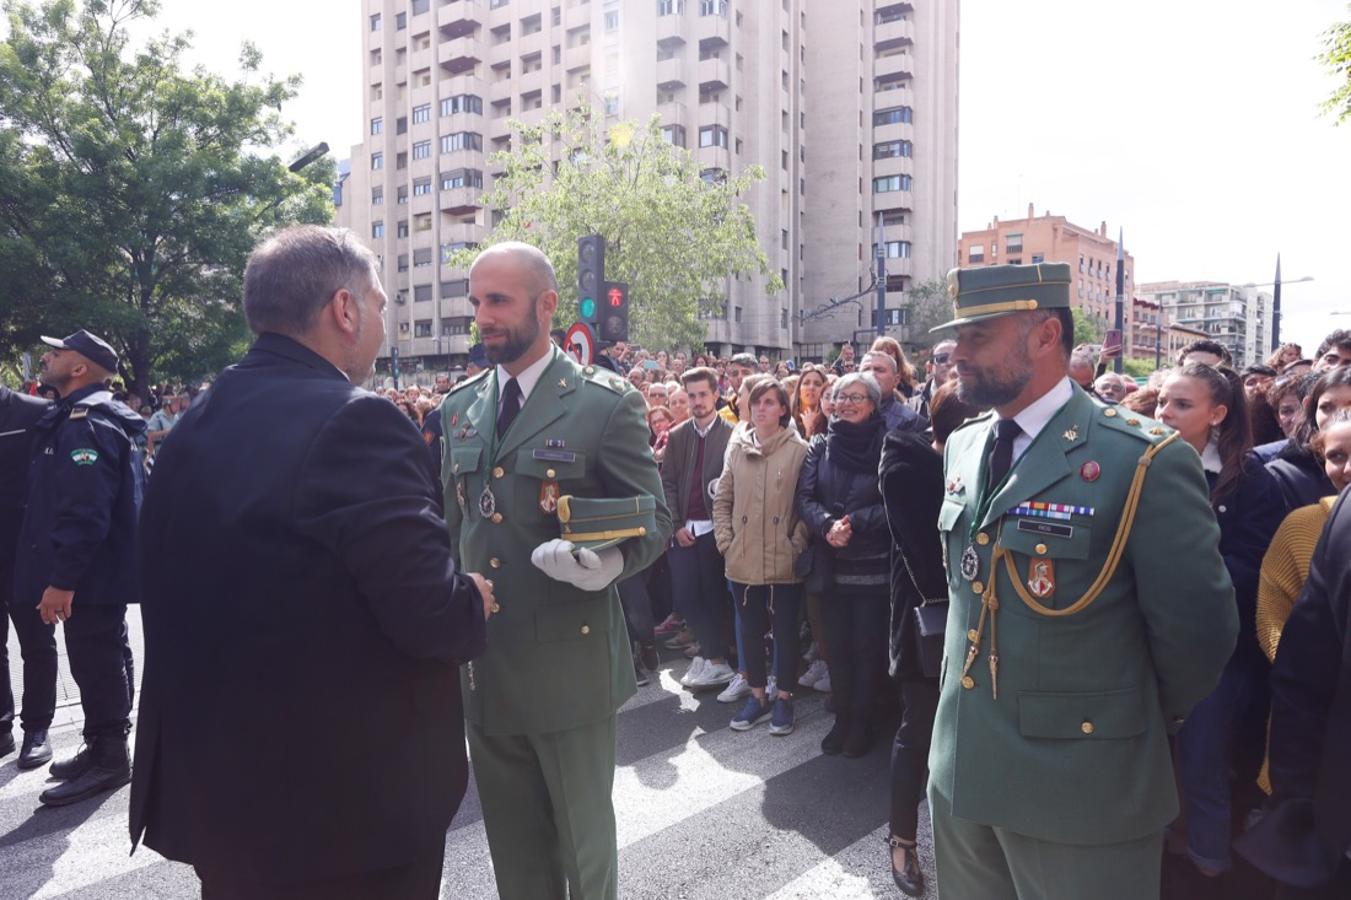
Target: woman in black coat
(1297, 469)
(911, 481)
(838, 498)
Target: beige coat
(754, 520)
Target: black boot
(74, 767)
(109, 770)
(833, 742)
(859, 740)
(6, 739)
(36, 750)
(909, 878)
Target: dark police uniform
(18, 414)
(79, 533)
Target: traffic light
(614, 315)
(590, 277)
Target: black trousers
(96, 644)
(856, 626)
(701, 594)
(637, 603)
(754, 602)
(418, 880)
(910, 755)
(37, 645)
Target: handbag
(931, 623)
(815, 567)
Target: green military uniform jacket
(1074, 750)
(558, 657)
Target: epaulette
(465, 382)
(605, 378)
(983, 417)
(1122, 420)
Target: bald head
(524, 258)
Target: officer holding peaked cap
(1072, 534)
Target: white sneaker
(696, 666)
(822, 684)
(712, 675)
(739, 688)
(815, 672)
(772, 689)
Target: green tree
(1139, 368)
(928, 306)
(1336, 56)
(133, 188)
(672, 235)
(1087, 329)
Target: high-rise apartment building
(1232, 314)
(730, 80)
(882, 145)
(1090, 254)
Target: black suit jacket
(300, 715)
(18, 414)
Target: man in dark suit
(1305, 841)
(300, 730)
(18, 414)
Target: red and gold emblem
(1041, 577)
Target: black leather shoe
(858, 741)
(36, 750)
(909, 878)
(6, 743)
(833, 742)
(110, 768)
(77, 765)
(647, 654)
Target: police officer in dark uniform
(18, 414)
(76, 560)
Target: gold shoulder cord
(989, 607)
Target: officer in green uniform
(534, 433)
(1090, 610)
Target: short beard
(994, 389)
(518, 340)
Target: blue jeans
(700, 592)
(1204, 747)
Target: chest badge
(548, 496)
(487, 503)
(955, 486)
(1090, 471)
(970, 563)
(454, 419)
(1041, 577)
(1072, 433)
(459, 494)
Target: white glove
(582, 568)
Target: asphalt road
(703, 811)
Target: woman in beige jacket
(760, 536)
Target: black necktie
(1001, 457)
(511, 405)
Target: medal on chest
(487, 503)
(970, 565)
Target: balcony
(898, 232)
(459, 56)
(902, 131)
(461, 159)
(890, 67)
(677, 114)
(714, 74)
(420, 59)
(461, 201)
(713, 27)
(460, 17)
(530, 82)
(578, 57)
(462, 233)
(894, 165)
(576, 16)
(499, 90)
(498, 128)
(712, 157)
(894, 34)
(670, 73)
(670, 30)
(714, 114)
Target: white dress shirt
(1038, 414)
(526, 380)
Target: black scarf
(856, 447)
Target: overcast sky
(1192, 124)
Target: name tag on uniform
(566, 456)
(1054, 529)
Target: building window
(976, 254)
(670, 7)
(612, 20)
(377, 125)
(897, 249)
(457, 288)
(422, 186)
(375, 22)
(713, 8)
(462, 103)
(377, 160)
(892, 150)
(461, 140)
(401, 194)
(422, 149)
(422, 113)
(377, 229)
(1013, 243)
(401, 125)
(377, 196)
(674, 134)
(1038, 258)
(712, 136)
(403, 228)
(422, 328)
(889, 183)
(897, 115)
(422, 258)
(421, 6)
(461, 178)
(403, 262)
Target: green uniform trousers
(980, 862)
(547, 811)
